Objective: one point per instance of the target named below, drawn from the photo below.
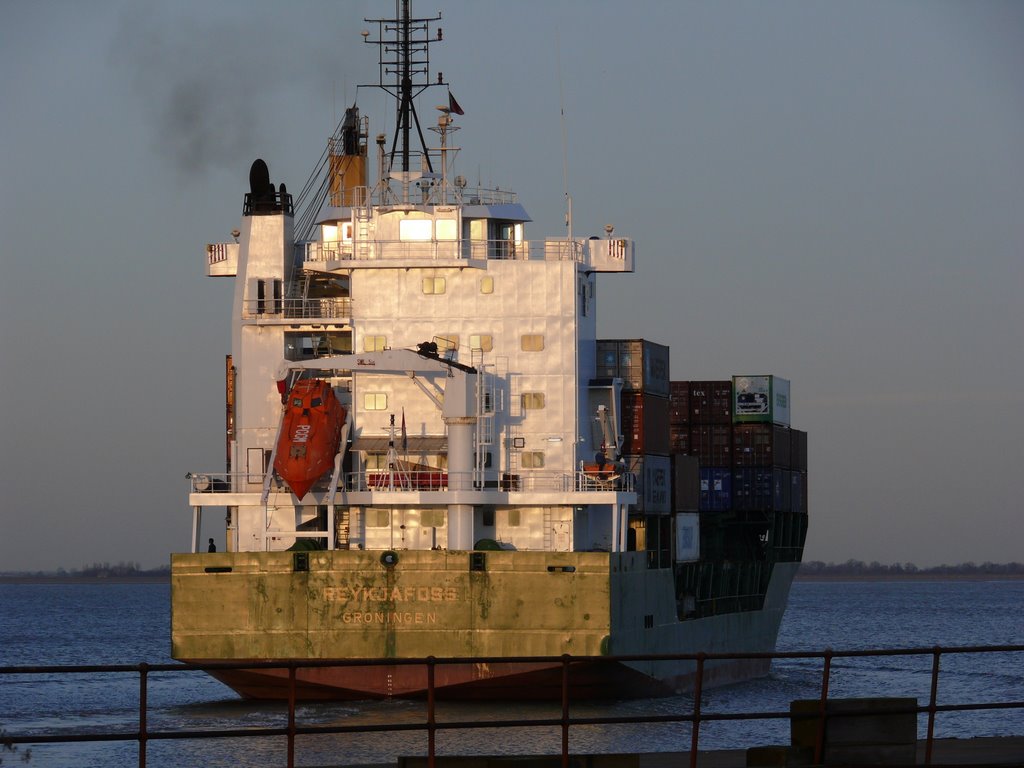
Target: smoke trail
(216, 89)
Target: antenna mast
(404, 73)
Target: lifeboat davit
(310, 434)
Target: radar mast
(404, 73)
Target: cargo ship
(430, 451)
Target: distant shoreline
(165, 579)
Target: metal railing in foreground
(696, 717)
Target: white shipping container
(653, 475)
(687, 537)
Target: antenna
(565, 143)
(404, 73)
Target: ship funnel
(347, 153)
(263, 197)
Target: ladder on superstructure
(486, 407)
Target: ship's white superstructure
(504, 484)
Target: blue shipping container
(715, 489)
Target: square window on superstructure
(483, 342)
(376, 461)
(375, 401)
(433, 285)
(432, 518)
(378, 518)
(375, 343)
(447, 343)
(486, 284)
(532, 459)
(531, 342)
(532, 401)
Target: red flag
(405, 437)
(453, 105)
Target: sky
(828, 192)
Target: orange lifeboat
(310, 434)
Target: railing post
(819, 738)
(698, 688)
(291, 714)
(431, 714)
(565, 710)
(143, 736)
(932, 700)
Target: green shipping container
(761, 399)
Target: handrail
(696, 716)
(298, 308)
(445, 250)
(427, 480)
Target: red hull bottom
(466, 681)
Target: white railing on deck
(435, 250)
(422, 480)
(298, 308)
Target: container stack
(643, 367)
(750, 460)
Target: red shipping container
(679, 402)
(685, 483)
(645, 424)
(679, 437)
(712, 444)
(761, 445)
(710, 402)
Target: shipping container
(653, 478)
(752, 489)
(761, 399)
(761, 445)
(645, 427)
(798, 500)
(715, 489)
(687, 537)
(712, 444)
(782, 490)
(798, 450)
(679, 438)
(710, 402)
(685, 483)
(642, 365)
(679, 402)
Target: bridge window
(415, 230)
(445, 229)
